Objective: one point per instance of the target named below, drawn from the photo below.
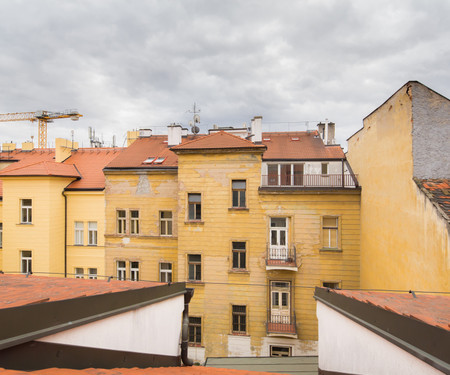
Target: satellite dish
(196, 119)
(195, 129)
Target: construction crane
(43, 117)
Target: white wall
(153, 329)
(345, 346)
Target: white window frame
(92, 233)
(121, 221)
(165, 224)
(92, 273)
(165, 274)
(26, 261)
(238, 315)
(79, 273)
(195, 265)
(78, 233)
(240, 191)
(26, 211)
(121, 271)
(134, 222)
(134, 270)
(192, 202)
(236, 251)
(330, 229)
(195, 327)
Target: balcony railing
(281, 256)
(281, 324)
(310, 180)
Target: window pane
(195, 198)
(166, 214)
(242, 199)
(238, 184)
(278, 222)
(242, 259)
(235, 198)
(330, 221)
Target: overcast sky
(142, 64)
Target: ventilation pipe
(185, 328)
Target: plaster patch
(126, 240)
(143, 186)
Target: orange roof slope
(19, 290)
(42, 168)
(431, 309)
(219, 140)
(438, 190)
(194, 370)
(90, 163)
(298, 146)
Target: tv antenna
(195, 119)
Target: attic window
(295, 139)
(159, 160)
(149, 160)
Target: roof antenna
(195, 119)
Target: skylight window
(149, 160)
(159, 160)
(266, 139)
(295, 139)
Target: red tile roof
(90, 163)
(19, 290)
(216, 141)
(438, 191)
(431, 309)
(194, 370)
(298, 146)
(41, 168)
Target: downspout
(185, 328)
(65, 234)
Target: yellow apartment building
(252, 226)
(52, 209)
(402, 159)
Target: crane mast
(43, 117)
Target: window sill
(194, 222)
(195, 282)
(78, 244)
(244, 209)
(24, 224)
(243, 334)
(92, 245)
(191, 344)
(239, 271)
(330, 250)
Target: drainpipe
(185, 328)
(65, 234)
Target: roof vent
(145, 133)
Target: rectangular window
(195, 206)
(331, 284)
(25, 260)
(324, 168)
(93, 273)
(238, 190)
(1, 235)
(79, 232)
(165, 272)
(195, 330)
(239, 317)
(330, 232)
(195, 267)
(92, 231)
(280, 351)
(165, 223)
(121, 270)
(239, 255)
(134, 222)
(134, 271)
(26, 211)
(79, 273)
(121, 222)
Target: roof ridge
(215, 134)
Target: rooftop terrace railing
(310, 180)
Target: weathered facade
(402, 147)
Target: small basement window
(280, 351)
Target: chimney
(27, 146)
(175, 131)
(8, 146)
(145, 133)
(63, 149)
(327, 132)
(132, 135)
(257, 129)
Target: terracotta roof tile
(194, 370)
(438, 191)
(218, 140)
(90, 163)
(19, 290)
(431, 309)
(298, 146)
(40, 168)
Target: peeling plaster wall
(431, 133)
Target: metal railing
(310, 180)
(282, 324)
(281, 255)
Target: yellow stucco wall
(85, 206)
(1, 248)
(404, 241)
(149, 193)
(45, 236)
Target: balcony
(281, 325)
(310, 181)
(281, 258)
